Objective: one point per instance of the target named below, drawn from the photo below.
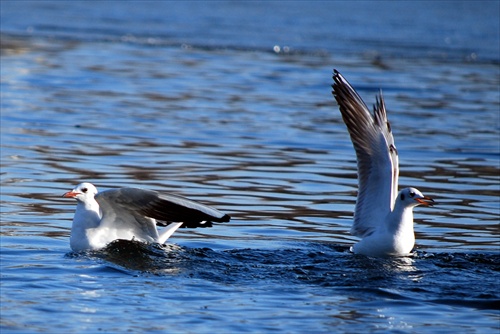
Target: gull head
(411, 197)
(83, 192)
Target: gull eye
(84, 190)
(402, 197)
(412, 194)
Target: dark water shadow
(441, 278)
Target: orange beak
(70, 194)
(426, 201)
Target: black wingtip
(338, 80)
(224, 219)
(336, 75)
(206, 223)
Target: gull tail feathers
(167, 232)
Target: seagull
(131, 213)
(383, 218)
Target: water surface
(230, 104)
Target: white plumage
(383, 219)
(131, 213)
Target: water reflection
(195, 101)
(275, 156)
(134, 256)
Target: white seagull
(131, 213)
(383, 219)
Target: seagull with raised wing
(132, 213)
(383, 218)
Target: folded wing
(146, 206)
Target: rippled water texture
(230, 104)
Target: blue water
(229, 103)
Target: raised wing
(145, 204)
(376, 154)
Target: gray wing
(376, 154)
(145, 204)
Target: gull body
(383, 218)
(132, 213)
